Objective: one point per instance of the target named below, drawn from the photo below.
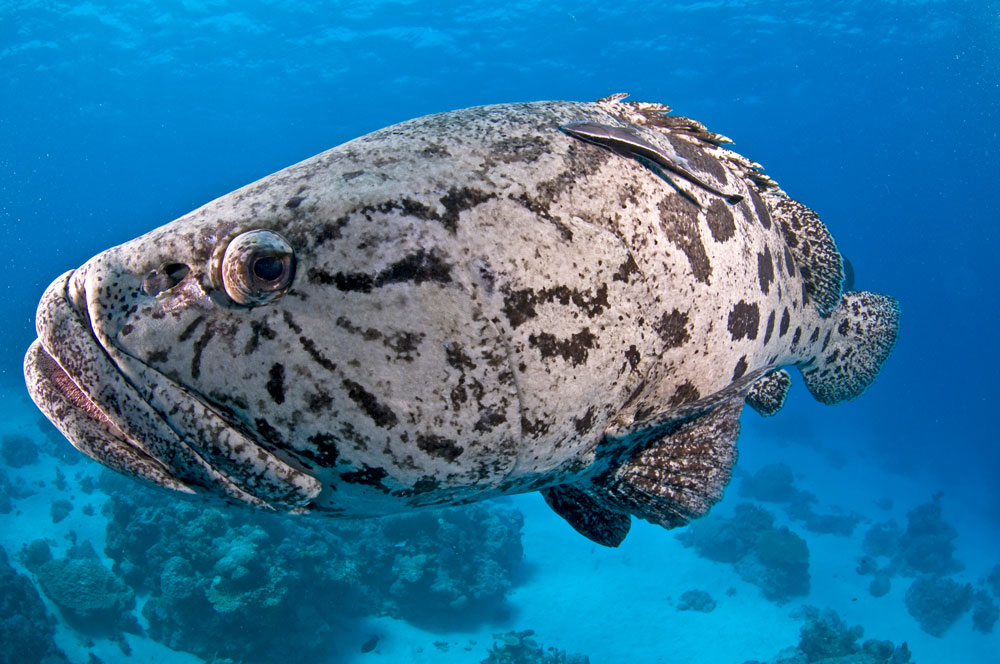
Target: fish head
(308, 342)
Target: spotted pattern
(482, 305)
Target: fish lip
(76, 376)
(56, 378)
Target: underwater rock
(18, 451)
(60, 509)
(26, 629)
(221, 582)
(927, 546)
(696, 600)
(521, 648)
(88, 595)
(984, 612)
(825, 638)
(937, 602)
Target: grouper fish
(571, 298)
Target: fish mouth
(85, 425)
(75, 376)
(63, 370)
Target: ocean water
(882, 513)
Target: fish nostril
(164, 278)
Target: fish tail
(862, 332)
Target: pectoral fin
(680, 476)
(587, 515)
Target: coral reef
(984, 612)
(778, 565)
(60, 509)
(727, 540)
(222, 581)
(11, 491)
(35, 554)
(774, 559)
(89, 596)
(26, 630)
(18, 451)
(55, 444)
(696, 600)
(937, 602)
(825, 638)
(520, 648)
(927, 546)
(774, 483)
(993, 580)
(882, 539)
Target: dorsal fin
(767, 394)
(627, 143)
(681, 475)
(813, 248)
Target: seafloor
(814, 555)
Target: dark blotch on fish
(276, 383)
(381, 414)
(744, 321)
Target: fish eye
(257, 267)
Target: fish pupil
(268, 268)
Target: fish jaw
(98, 397)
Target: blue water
(882, 116)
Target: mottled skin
(481, 305)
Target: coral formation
(11, 491)
(937, 602)
(35, 554)
(774, 559)
(60, 509)
(882, 539)
(89, 596)
(825, 638)
(993, 580)
(984, 612)
(771, 483)
(778, 565)
(774, 483)
(18, 451)
(696, 600)
(927, 546)
(222, 581)
(26, 630)
(521, 648)
(727, 540)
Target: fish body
(457, 307)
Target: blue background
(117, 117)
(882, 116)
